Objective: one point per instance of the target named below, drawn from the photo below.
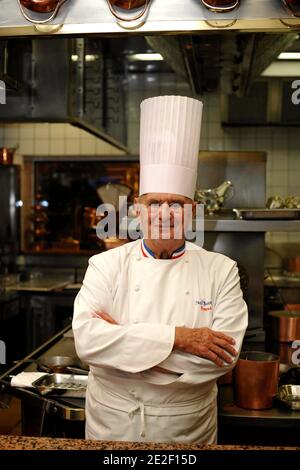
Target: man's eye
(176, 205)
(154, 203)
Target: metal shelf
(215, 224)
(168, 16)
(232, 225)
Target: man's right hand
(206, 343)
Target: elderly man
(159, 319)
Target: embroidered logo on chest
(205, 305)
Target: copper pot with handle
(40, 6)
(293, 6)
(7, 155)
(129, 5)
(221, 5)
(256, 378)
(285, 325)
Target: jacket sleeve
(131, 348)
(230, 317)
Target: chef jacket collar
(148, 253)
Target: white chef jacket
(126, 398)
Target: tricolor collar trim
(147, 253)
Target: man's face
(164, 216)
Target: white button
(186, 261)
(137, 288)
(187, 292)
(138, 258)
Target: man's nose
(165, 211)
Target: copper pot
(293, 6)
(256, 379)
(292, 265)
(218, 3)
(143, 6)
(7, 155)
(285, 325)
(40, 6)
(128, 4)
(285, 351)
(221, 5)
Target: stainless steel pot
(256, 380)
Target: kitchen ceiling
(76, 17)
(205, 48)
(232, 61)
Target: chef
(159, 319)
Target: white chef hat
(169, 145)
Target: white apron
(127, 399)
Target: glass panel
(66, 196)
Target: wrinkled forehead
(165, 197)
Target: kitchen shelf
(235, 225)
(167, 16)
(215, 224)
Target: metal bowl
(290, 396)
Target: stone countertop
(44, 443)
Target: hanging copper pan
(221, 5)
(293, 6)
(40, 6)
(129, 5)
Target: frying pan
(60, 365)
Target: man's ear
(136, 206)
(194, 208)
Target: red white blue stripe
(148, 253)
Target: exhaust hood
(65, 80)
(78, 17)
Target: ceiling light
(148, 57)
(282, 69)
(289, 56)
(88, 57)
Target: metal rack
(233, 225)
(167, 16)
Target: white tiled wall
(281, 144)
(46, 140)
